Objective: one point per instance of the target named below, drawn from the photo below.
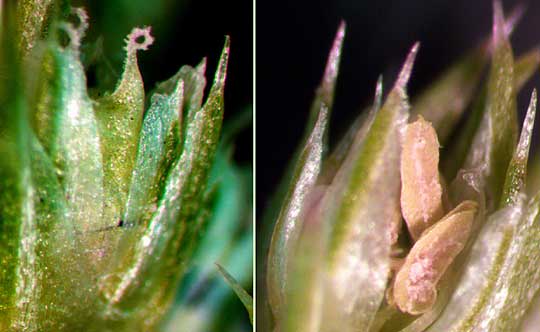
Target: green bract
(333, 254)
(101, 200)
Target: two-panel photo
(249, 165)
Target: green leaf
(246, 299)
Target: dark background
(293, 40)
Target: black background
(293, 40)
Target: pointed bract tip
(332, 64)
(531, 111)
(227, 44)
(342, 27)
(513, 19)
(221, 72)
(133, 42)
(532, 104)
(406, 70)
(340, 35)
(522, 150)
(498, 22)
(528, 123)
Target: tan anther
(421, 190)
(415, 285)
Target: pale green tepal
(339, 239)
(101, 200)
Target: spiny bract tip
(406, 70)
(498, 21)
(332, 66)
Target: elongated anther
(415, 285)
(421, 190)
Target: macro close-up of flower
(423, 215)
(125, 202)
(284, 166)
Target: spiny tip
(524, 144)
(532, 104)
(531, 111)
(498, 22)
(221, 71)
(513, 19)
(406, 70)
(332, 65)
